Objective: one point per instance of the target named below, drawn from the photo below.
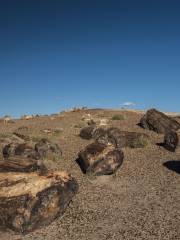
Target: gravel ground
(141, 201)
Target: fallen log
(100, 159)
(45, 147)
(172, 141)
(120, 138)
(158, 122)
(21, 164)
(24, 150)
(28, 200)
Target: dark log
(158, 122)
(21, 164)
(39, 151)
(45, 147)
(100, 159)
(87, 132)
(16, 149)
(172, 141)
(121, 139)
(29, 201)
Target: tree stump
(158, 122)
(28, 200)
(100, 159)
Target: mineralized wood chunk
(100, 159)
(120, 138)
(158, 122)
(21, 164)
(87, 132)
(28, 201)
(172, 141)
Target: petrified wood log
(28, 200)
(120, 138)
(21, 164)
(23, 133)
(100, 159)
(87, 132)
(172, 141)
(16, 149)
(39, 151)
(44, 147)
(158, 122)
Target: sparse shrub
(118, 117)
(54, 157)
(36, 138)
(57, 131)
(5, 135)
(80, 125)
(140, 142)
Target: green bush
(118, 117)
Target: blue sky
(56, 54)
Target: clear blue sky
(55, 54)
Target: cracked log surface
(100, 159)
(28, 200)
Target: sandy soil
(141, 201)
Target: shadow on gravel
(160, 144)
(139, 125)
(81, 165)
(173, 166)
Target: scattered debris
(7, 119)
(103, 122)
(46, 130)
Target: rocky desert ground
(141, 201)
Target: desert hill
(140, 201)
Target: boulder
(120, 138)
(158, 122)
(172, 141)
(100, 159)
(29, 201)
